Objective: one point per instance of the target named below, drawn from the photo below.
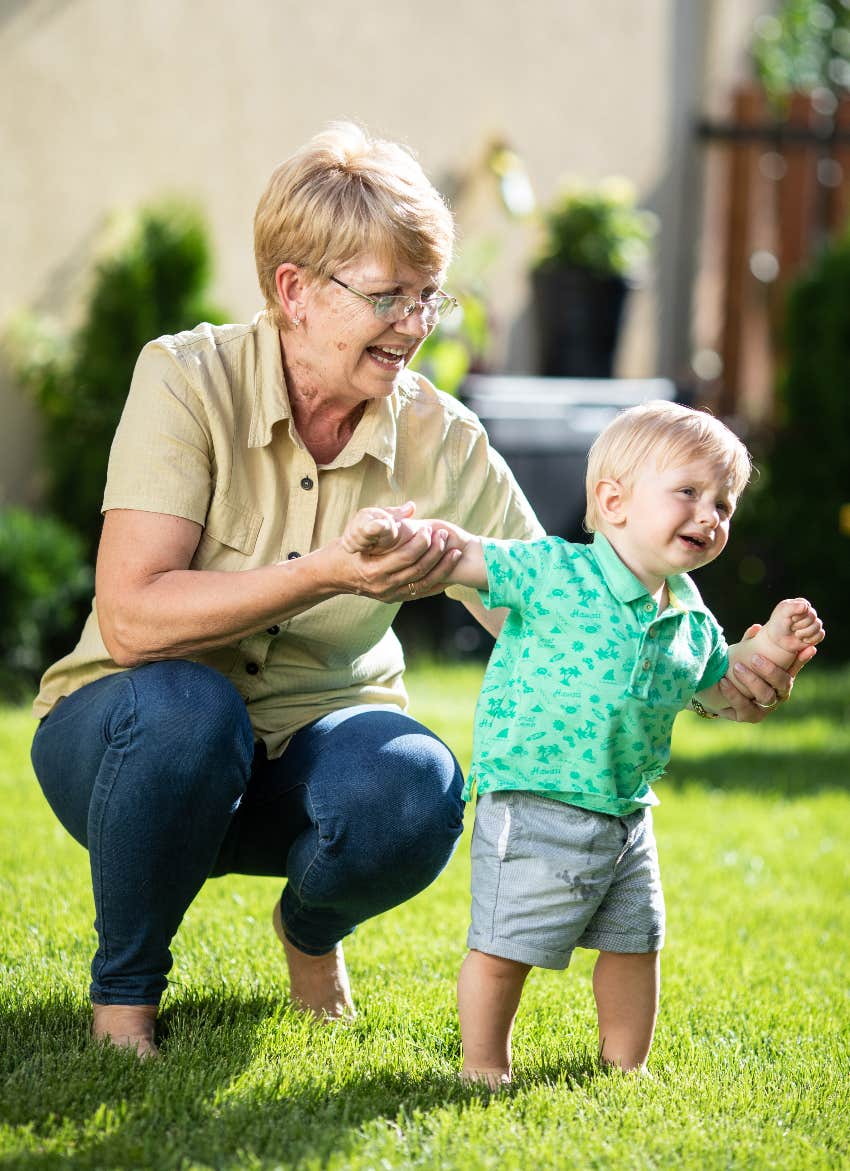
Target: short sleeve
(516, 572)
(160, 458)
(718, 660)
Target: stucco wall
(109, 103)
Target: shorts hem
(625, 944)
(505, 950)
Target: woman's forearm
(180, 612)
(152, 605)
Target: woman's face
(350, 352)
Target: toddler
(603, 644)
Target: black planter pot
(578, 317)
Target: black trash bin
(544, 428)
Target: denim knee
(180, 718)
(198, 717)
(386, 838)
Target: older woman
(235, 702)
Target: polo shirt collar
(627, 588)
(375, 435)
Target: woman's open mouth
(390, 357)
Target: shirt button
(306, 483)
(252, 668)
(646, 664)
(649, 607)
(652, 632)
(273, 629)
(291, 556)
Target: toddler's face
(674, 520)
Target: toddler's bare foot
(128, 1026)
(317, 984)
(494, 1079)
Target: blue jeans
(154, 770)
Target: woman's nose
(416, 324)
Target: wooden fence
(776, 189)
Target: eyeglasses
(397, 306)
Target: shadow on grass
(820, 692)
(794, 773)
(86, 1105)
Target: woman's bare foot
(317, 984)
(129, 1026)
(493, 1079)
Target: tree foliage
(153, 281)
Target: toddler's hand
(794, 625)
(376, 530)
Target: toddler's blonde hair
(342, 194)
(665, 434)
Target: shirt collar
(271, 402)
(627, 588)
(376, 433)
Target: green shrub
(598, 228)
(153, 281)
(44, 581)
(804, 46)
(792, 534)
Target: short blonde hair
(344, 193)
(667, 434)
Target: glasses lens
(392, 308)
(395, 308)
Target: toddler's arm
(377, 530)
(793, 626)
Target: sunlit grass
(750, 1063)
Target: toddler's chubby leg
(626, 988)
(793, 626)
(488, 993)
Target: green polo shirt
(586, 678)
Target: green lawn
(750, 1062)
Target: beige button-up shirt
(207, 434)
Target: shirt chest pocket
(229, 536)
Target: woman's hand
(752, 692)
(388, 556)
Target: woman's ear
(611, 500)
(290, 285)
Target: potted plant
(596, 240)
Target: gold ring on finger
(765, 707)
(412, 588)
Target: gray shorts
(548, 877)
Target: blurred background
(651, 197)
